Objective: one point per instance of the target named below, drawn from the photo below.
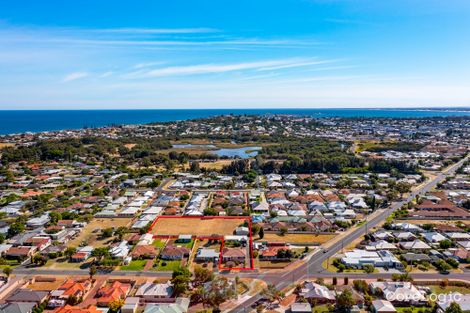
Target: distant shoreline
(22, 121)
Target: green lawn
(188, 245)
(159, 244)
(414, 309)
(321, 308)
(135, 265)
(170, 265)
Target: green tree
(445, 244)
(202, 275)
(15, 229)
(402, 188)
(454, 308)
(7, 271)
(92, 271)
(272, 293)
(368, 268)
(344, 302)
(70, 251)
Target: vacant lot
(298, 238)
(91, 232)
(46, 285)
(195, 226)
(5, 145)
(215, 165)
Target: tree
(445, 244)
(217, 292)
(180, 280)
(454, 308)
(55, 217)
(120, 232)
(195, 168)
(392, 195)
(107, 232)
(115, 305)
(92, 271)
(368, 268)
(38, 259)
(272, 293)
(283, 231)
(261, 233)
(7, 271)
(70, 251)
(344, 302)
(402, 188)
(202, 275)
(15, 229)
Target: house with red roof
(112, 292)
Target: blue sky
(104, 54)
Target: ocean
(20, 121)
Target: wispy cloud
(157, 31)
(222, 68)
(74, 76)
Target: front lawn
(159, 243)
(167, 265)
(411, 309)
(134, 265)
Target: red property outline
(220, 267)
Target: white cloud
(74, 76)
(157, 30)
(222, 68)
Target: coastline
(24, 121)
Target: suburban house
(112, 292)
(21, 307)
(28, 295)
(70, 288)
(399, 292)
(174, 253)
(153, 291)
(207, 255)
(233, 254)
(383, 306)
(144, 252)
(181, 305)
(316, 293)
(21, 252)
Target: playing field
(195, 226)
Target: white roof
(383, 306)
(433, 237)
(416, 244)
(151, 289)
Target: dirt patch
(91, 232)
(216, 165)
(298, 238)
(195, 226)
(6, 145)
(52, 285)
